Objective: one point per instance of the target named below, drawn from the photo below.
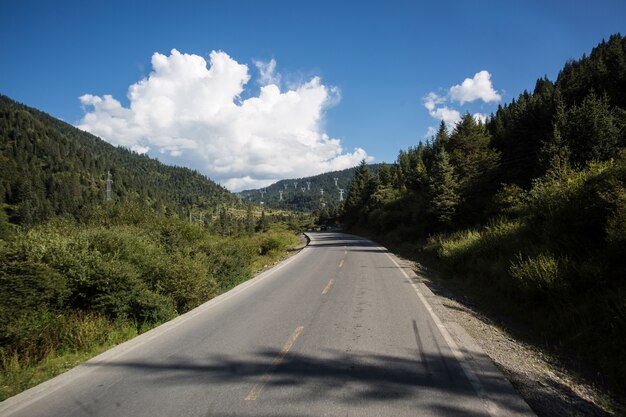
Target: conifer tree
(555, 153)
(442, 138)
(444, 196)
(358, 193)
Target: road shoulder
(548, 390)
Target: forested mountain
(49, 168)
(528, 209)
(305, 194)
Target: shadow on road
(352, 379)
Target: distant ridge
(298, 195)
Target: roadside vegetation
(70, 289)
(526, 212)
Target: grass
(81, 338)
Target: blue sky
(376, 63)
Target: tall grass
(51, 343)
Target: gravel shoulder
(550, 390)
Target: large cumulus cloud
(192, 114)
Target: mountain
(50, 168)
(305, 194)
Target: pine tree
(444, 196)
(358, 193)
(442, 138)
(592, 132)
(555, 152)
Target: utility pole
(285, 184)
(336, 179)
(108, 186)
(295, 184)
(308, 185)
(303, 189)
(341, 194)
(280, 192)
(322, 191)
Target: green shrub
(27, 284)
(535, 275)
(271, 243)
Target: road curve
(337, 330)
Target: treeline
(529, 208)
(49, 168)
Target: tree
(249, 222)
(475, 164)
(442, 138)
(358, 193)
(262, 224)
(555, 154)
(444, 196)
(591, 130)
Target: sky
(251, 92)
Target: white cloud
(472, 89)
(448, 115)
(268, 74)
(480, 117)
(430, 132)
(140, 149)
(190, 114)
(432, 100)
(433, 103)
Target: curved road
(337, 330)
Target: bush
(537, 275)
(271, 243)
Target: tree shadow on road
(354, 380)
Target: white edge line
(22, 400)
(492, 408)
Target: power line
(109, 181)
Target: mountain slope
(50, 168)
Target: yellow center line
(330, 284)
(256, 390)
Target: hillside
(305, 194)
(49, 168)
(526, 213)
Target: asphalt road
(337, 330)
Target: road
(337, 330)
